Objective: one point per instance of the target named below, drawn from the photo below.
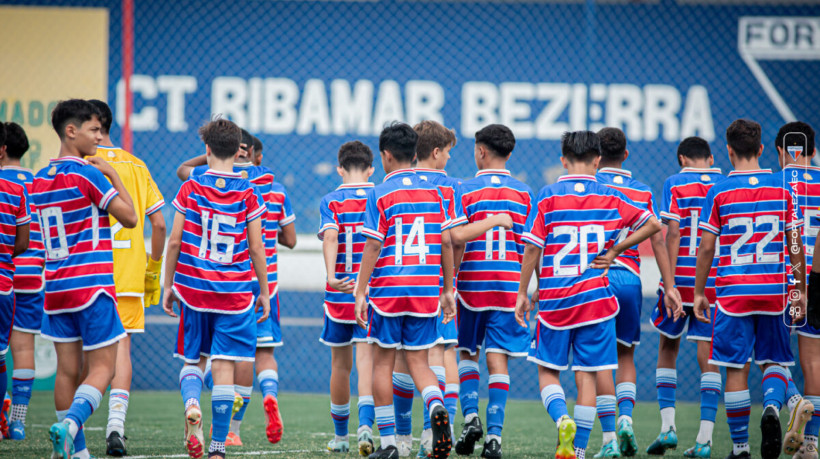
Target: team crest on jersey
(806, 175)
(753, 181)
(705, 178)
(495, 180)
(220, 183)
(423, 177)
(52, 171)
(21, 176)
(406, 181)
(579, 187)
(111, 154)
(244, 174)
(618, 179)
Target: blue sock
(221, 404)
(340, 415)
(666, 381)
(385, 420)
(468, 386)
(584, 420)
(403, 403)
(79, 440)
(208, 379)
(451, 400)
(190, 385)
(813, 427)
(499, 389)
(4, 379)
(605, 405)
(710, 387)
(441, 377)
(738, 405)
(367, 411)
(625, 392)
(432, 396)
(554, 401)
(791, 389)
(245, 392)
(775, 381)
(268, 383)
(86, 400)
(21, 384)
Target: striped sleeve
(255, 204)
(460, 217)
(375, 225)
(711, 212)
(327, 218)
(23, 213)
(153, 198)
(535, 230)
(181, 198)
(97, 187)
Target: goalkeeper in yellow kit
(136, 288)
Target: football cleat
(492, 449)
(365, 443)
(61, 442)
(238, 401)
(216, 455)
(470, 434)
(426, 443)
(391, 452)
(666, 440)
(17, 430)
(338, 446)
(404, 445)
(5, 412)
(771, 434)
(807, 451)
(609, 450)
(626, 438)
(194, 440)
(233, 439)
(115, 445)
(442, 441)
(743, 455)
(701, 450)
(273, 418)
(798, 419)
(566, 438)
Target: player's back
(805, 183)
(406, 213)
(490, 269)
(446, 184)
(575, 220)
(343, 210)
(751, 211)
(28, 266)
(70, 196)
(214, 257)
(637, 192)
(684, 197)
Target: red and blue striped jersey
(574, 221)
(71, 197)
(214, 258)
(343, 210)
(14, 212)
(684, 197)
(805, 183)
(407, 215)
(446, 184)
(28, 266)
(490, 269)
(750, 212)
(637, 192)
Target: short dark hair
(582, 146)
(105, 115)
(743, 136)
(498, 138)
(2, 134)
(432, 135)
(355, 156)
(400, 140)
(247, 138)
(16, 140)
(694, 148)
(72, 111)
(257, 145)
(613, 144)
(797, 126)
(222, 136)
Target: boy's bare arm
(184, 169)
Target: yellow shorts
(132, 313)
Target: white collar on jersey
(800, 166)
(355, 185)
(565, 178)
(398, 172)
(756, 171)
(701, 170)
(15, 168)
(425, 170)
(223, 174)
(615, 170)
(63, 159)
(492, 172)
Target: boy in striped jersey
(572, 233)
(625, 282)
(217, 232)
(408, 249)
(684, 196)
(753, 216)
(491, 210)
(73, 197)
(795, 148)
(28, 287)
(342, 218)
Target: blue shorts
(337, 334)
(97, 326)
(28, 311)
(735, 338)
(6, 321)
(269, 332)
(495, 331)
(448, 332)
(627, 288)
(402, 332)
(215, 335)
(666, 326)
(593, 347)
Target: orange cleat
(233, 440)
(273, 418)
(194, 441)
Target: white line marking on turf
(237, 453)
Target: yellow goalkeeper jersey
(129, 243)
